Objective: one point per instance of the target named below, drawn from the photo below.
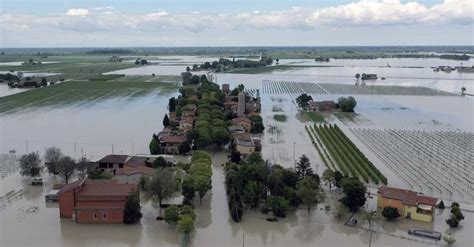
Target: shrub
(441, 205)
(390, 213)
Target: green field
(83, 93)
(71, 67)
(312, 116)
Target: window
(104, 216)
(111, 165)
(95, 216)
(120, 165)
(101, 165)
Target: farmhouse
(226, 89)
(170, 142)
(410, 204)
(244, 122)
(94, 201)
(132, 175)
(320, 106)
(110, 163)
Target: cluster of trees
(28, 82)
(223, 64)
(210, 128)
(141, 61)
(9, 77)
(183, 218)
(347, 104)
(198, 178)
(456, 215)
(354, 192)
(253, 183)
(257, 126)
(56, 164)
(190, 79)
(303, 100)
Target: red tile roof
(144, 170)
(114, 158)
(100, 205)
(407, 197)
(106, 189)
(173, 139)
(71, 186)
(136, 161)
(241, 119)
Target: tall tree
(354, 193)
(51, 158)
(187, 189)
(328, 177)
(253, 194)
(166, 120)
(172, 215)
(30, 165)
(162, 185)
(308, 188)
(83, 167)
(131, 213)
(303, 167)
(186, 226)
(66, 168)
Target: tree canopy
(30, 165)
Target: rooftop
(240, 119)
(114, 158)
(145, 170)
(407, 197)
(173, 138)
(106, 189)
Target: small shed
(52, 196)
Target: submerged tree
(390, 213)
(131, 213)
(308, 189)
(66, 168)
(162, 185)
(51, 158)
(303, 167)
(354, 193)
(30, 165)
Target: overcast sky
(86, 23)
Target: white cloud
(77, 12)
(364, 13)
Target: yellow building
(410, 204)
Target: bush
(441, 205)
(390, 213)
(453, 221)
(278, 205)
(131, 213)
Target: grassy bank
(83, 92)
(312, 116)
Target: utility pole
(27, 146)
(75, 151)
(112, 148)
(294, 160)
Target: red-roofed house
(94, 201)
(244, 122)
(409, 203)
(170, 143)
(132, 175)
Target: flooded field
(122, 124)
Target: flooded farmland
(125, 125)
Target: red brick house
(170, 143)
(94, 201)
(244, 122)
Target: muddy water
(93, 129)
(214, 227)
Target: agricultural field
(70, 67)
(312, 116)
(287, 87)
(339, 153)
(381, 90)
(82, 92)
(437, 163)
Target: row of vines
(349, 159)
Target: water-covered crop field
(437, 163)
(296, 88)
